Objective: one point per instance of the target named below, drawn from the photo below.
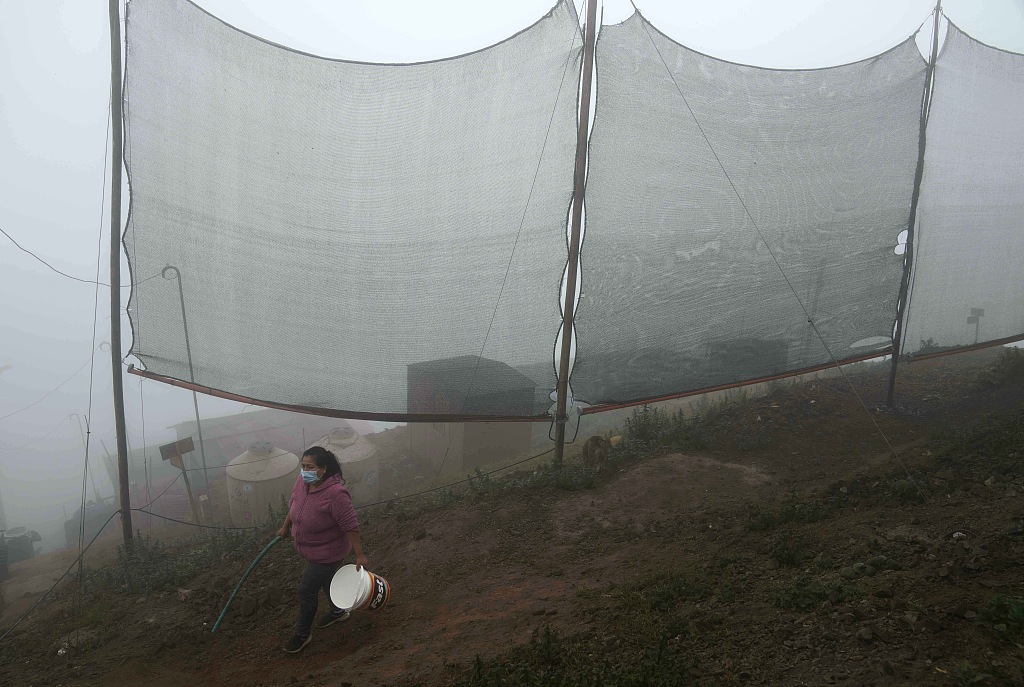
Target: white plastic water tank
(359, 463)
(257, 481)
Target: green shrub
(1007, 369)
(655, 428)
(153, 565)
(1003, 615)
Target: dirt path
(792, 549)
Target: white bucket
(354, 589)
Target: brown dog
(595, 451)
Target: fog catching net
(968, 277)
(336, 222)
(728, 205)
(389, 240)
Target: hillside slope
(769, 541)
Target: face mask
(308, 476)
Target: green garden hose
(242, 581)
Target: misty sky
(54, 89)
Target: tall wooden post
(908, 255)
(579, 184)
(115, 270)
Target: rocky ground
(810, 536)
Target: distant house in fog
(471, 386)
(229, 436)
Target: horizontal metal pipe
(732, 385)
(330, 412)
(965, 349)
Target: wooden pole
(908, 255)
(188, 490)
(115, 269)
(579, 184)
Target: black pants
(317, 576)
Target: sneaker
(297, 644)
(331, 617)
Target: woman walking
(323, 523)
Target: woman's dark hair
(325, 459)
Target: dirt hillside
(762, 541)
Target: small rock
(848, 573)
(865, 634)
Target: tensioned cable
(70, 568)
(216, 527)
(29, 443)
(92, 363)
(51, 391)
(244, 462)
(771, 252)
(366, 505)
(145, 456)
(519, 231)
(193, 524)
(166, 489)
(909, 255)
(917, 220)
(65, 274)
(454, 484)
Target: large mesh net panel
(336, 223)
(968, 276)
(679, 291)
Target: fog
(54, 143)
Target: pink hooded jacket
(320, 520)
